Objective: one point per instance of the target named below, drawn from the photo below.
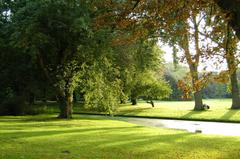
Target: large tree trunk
(197, 89)
(65, 99)
(230, 49)
(235, 91)
(233, 79)
(193, 62)
(134, 101)
(198, 101)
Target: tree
(59, 34)
(133, 60)
(226, 47)
(156, 90)
(101, 86)
(150, 86)
(184, 34)
(19, 78)
(65, 36)
(146, 62)
(230, 47)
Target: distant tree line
(213, 89)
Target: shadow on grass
(50, 117)
(47, 133)
(230, 113)
(192, 113)
(126, 142)
(135, 110)
(91, 141)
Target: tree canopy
(107, 49)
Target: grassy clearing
(219, 110)
(98, 137)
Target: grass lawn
(219, 110)
(93, 137)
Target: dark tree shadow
(192, 112)
(230, 113)
(118, 142)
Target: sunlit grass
(219, 110)
(44, 137)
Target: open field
(85, 137)
(219, 110)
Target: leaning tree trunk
(65, 99)
(152, 103)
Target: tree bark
(193, 62)
(198, 101)
(134, 101)
(197, 89)
(235, 91)
(175, 58)
(152, 103)
(65, 99)
(232, 68)
(194, 69)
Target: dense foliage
(72, 45)
(106, 51)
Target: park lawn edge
(161, 117)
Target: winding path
(216, 128)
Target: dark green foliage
(59, 35)
(101, 87)
(216, 90)
(140, 70)
(15, 105)
(232, 7)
